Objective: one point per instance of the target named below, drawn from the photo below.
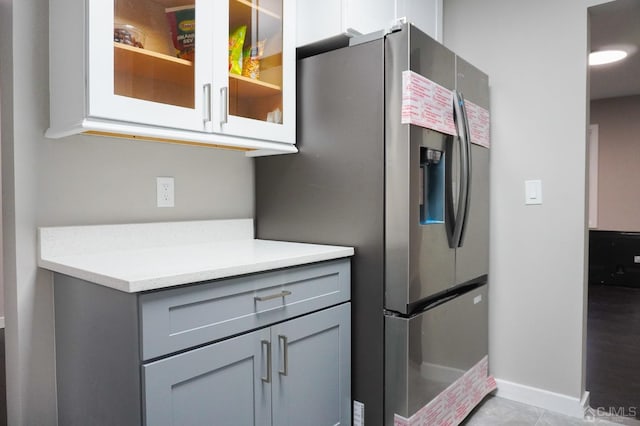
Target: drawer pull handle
(285, 354)
(268, 345)
(272, 296)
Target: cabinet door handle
(285, 354)
(224, 105)
(272, 296)
(268, 346)
(206, 107)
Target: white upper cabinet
(193, 71)
(320, 20)
(366, 16)
(424, 14)
(317, 20)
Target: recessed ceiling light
(606, 57)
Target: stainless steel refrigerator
(412, 201)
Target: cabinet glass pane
(255, 59)
(154, 46)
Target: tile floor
(495, 411)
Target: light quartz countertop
(149, 256)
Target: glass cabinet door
(154, 51)
(143, 62)
(255, 59)
(261, 80)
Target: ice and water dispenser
(432, 186)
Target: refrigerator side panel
(396, 368)
(432, 350)
(419, 262)
(472, 259)
(332, 192)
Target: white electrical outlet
(164, 190)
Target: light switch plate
(533, 191)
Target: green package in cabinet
(182, 25)
(236, 41)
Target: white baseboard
(1, 322)
(556, 402)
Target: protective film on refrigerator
(427, 104)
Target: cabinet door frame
(246, 127)
(159, 377)
(103, 103)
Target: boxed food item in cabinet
(182, 25)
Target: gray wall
(618, 121)
(75, 181)
(535, 55)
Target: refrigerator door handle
(463, 191)
(450, 207)
(466, 170)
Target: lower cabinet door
(312, 369)
(226, 384)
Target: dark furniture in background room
(614, 258)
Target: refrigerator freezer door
(472, 258)
(418, 260)
(430, 351)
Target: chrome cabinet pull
(267, 343)
(206, 107)
(272, 296)
(224, 105)
(285, 354)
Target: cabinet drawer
(174, 320)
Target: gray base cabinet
(264, 349)
(295, 373)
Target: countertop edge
(85, 275)
(141, 285)
(233, 271)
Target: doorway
(613, 324)
(3, 375)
